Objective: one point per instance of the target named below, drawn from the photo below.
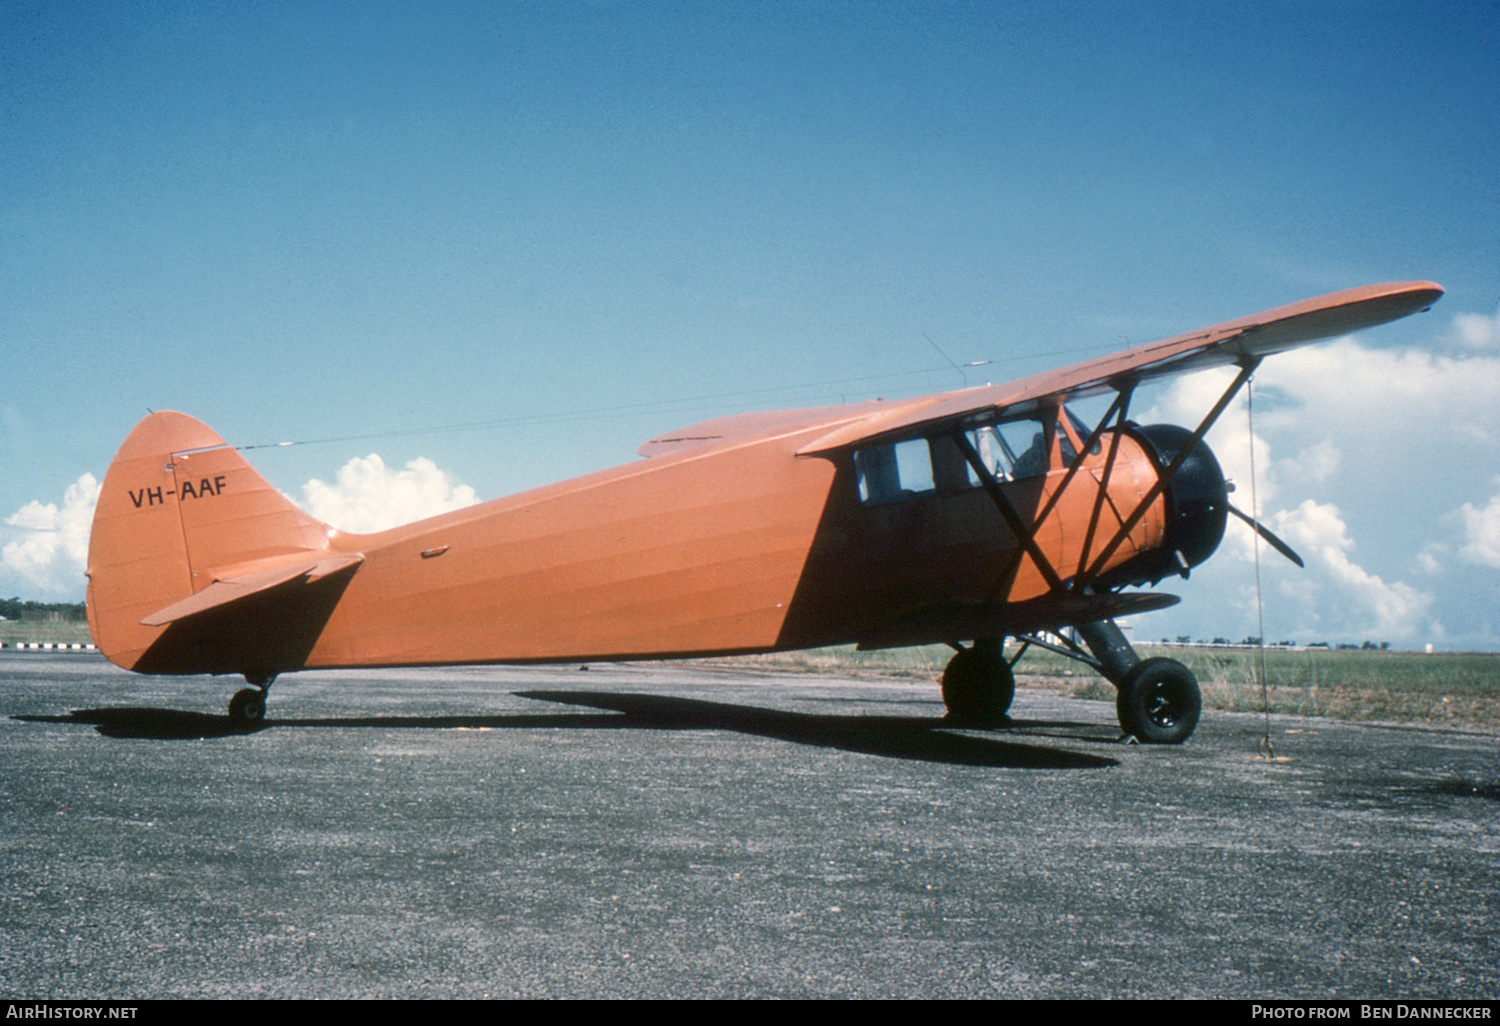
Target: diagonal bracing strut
(1025, 535)
(1097, 567)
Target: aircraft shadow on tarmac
(898, 737)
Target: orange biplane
(963, 518)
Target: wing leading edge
(1258, 335)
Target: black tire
(1159, 702)
(248, 707)
(978, 685)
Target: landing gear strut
(1159, 701)
(248, 706)
(978, 685)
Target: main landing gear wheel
(248, 707)
(1159, 702)
(978, 685)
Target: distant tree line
(14, 609)
(1254, 642)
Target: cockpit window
(1082, 430)
(1011, 450)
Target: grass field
(1448, 689)
(13, 632)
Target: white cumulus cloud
(1398, 438)
(1478, 331)
(368, 496)
(1390, 397)
(1314, 465)
(1318, 531)
(44, 547)
(1481, 529)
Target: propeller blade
(1265, 532)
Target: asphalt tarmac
(688, 830)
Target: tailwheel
(978, 685)
(248, 707)
(1159, 702)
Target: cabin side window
(1010, 451)
(889, 473)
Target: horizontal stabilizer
(233, 588)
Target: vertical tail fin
(181, 511)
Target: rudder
(179, 510)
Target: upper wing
(1258, 335)
(743, 425)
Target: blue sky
(581, 224)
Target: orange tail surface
(198, 565)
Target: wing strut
(1086, 578)
(1122, 396)
(1121, 409)
(1087, 573)
(1026, 536)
